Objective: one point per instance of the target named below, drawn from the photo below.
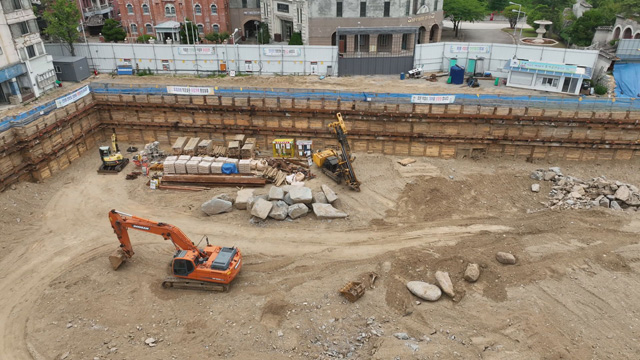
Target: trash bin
(497, 82)
(401, 76)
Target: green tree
(548, 10)
(189, 33)
(581, 31)
(263, 35)
(223, 36)
(497, 5)
(296, 39)
(511, 15)
(463, 10)
(630, 8)
(112, 31)
(63, 19)
(144, 39)
(214, 37)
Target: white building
(26, 71)
(535, 75)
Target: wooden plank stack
(205, 147)
(178, 146)
(190, 148)
(234, 149)
(240, 138)
(219, 150)
(248, 151)
(214, 180)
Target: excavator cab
(182, 266)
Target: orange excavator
(212, 268)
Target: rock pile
(569, 192)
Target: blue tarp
(229, 169)
(627, 80)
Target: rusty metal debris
(353, 290)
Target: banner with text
(198, 50)
(190, 90)
(73, 97)
(470, 48)
(433, 99)
(281, 52)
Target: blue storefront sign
(10, 72)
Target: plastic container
(402, 76)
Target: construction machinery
(210, 268)
(112, 160)
(338, 166)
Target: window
(214, 10)
(216, 28)
(385, 42)
(405, 41)
(148, 28)
(549, 81)
(407, 8)
(283, 8)
(435, 6)
(339, 9)
(134, 28)
(197, 9)
(24, 28)
(169, 10)
(201, 28)
(387, 8)
(258, 4)
(129, 9)
(58, 70)
(363, 9)
(31, 51)
(244, 4)
(40, 48)
(145, 9)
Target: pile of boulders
(568, 192)
(433, 292)
(282, 202)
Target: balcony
(98, 10)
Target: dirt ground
(572, 294)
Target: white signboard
(281, 52)
(189, 90)
(470, 48)
(433, 99)
(73, 97)
(199, 50)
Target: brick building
(163, 18)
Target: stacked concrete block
(244, 166)
(233, 149)
(169, 164)
(208, 159)
(240, 138)
(178, 146)
(247, 151)
(221, 159)
(181, 166)
(204, 167)
(192, 165)
(216, 167)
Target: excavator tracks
(179, 283)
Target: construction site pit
(442, 187)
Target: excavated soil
(572, 294)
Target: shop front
(560, 78)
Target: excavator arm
(122, 222)
(349, 174)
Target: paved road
(483, 32)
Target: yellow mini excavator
(338, 166)
(112, 160)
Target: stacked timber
(214, 180)
(208, 159)
(178, 146)
(190, 148)
(205, 147)
(233, 149)
(219, 150)
(250, 141)
(247, 151)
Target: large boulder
(297, 210)
(326, 211)
(287, 199)
(319, 197)
(329, 194)
(253, 199)
(276, 193)
(505, 258)
(301, 195)
(279, 211)
(243, 197)
(216, 206)
(622, 193)
(444, 281)
(424, 290)
(224, 197)
(261, 208)
(472, 273)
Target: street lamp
(517, 18)
(514, 30)
(257, 23)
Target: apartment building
(163, 18)
(26, 71)
(318, 20)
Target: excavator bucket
(116, 258)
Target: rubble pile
(569, 192)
